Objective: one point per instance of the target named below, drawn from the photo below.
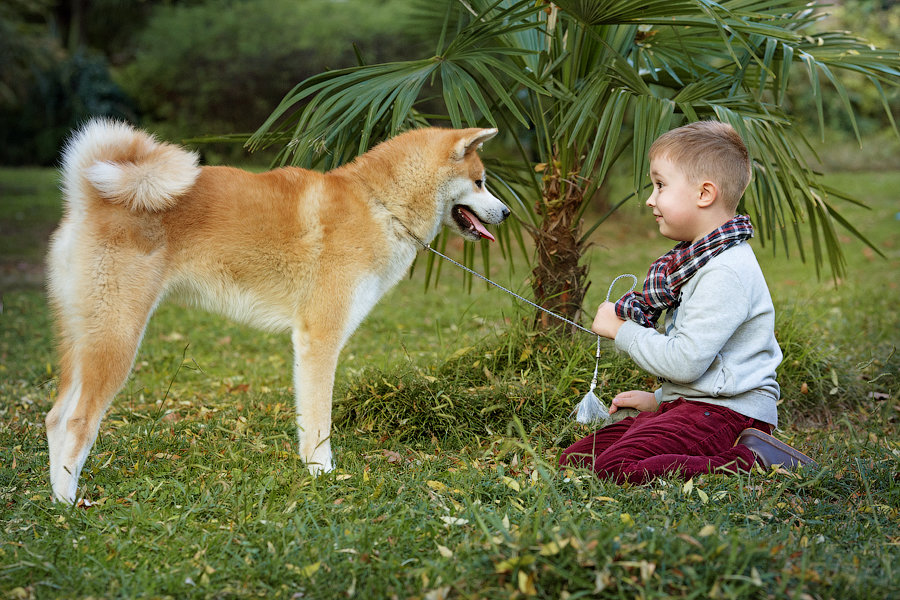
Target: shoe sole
(771, 451)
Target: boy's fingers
(630, 399)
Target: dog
(285, 250)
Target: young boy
(716, 360)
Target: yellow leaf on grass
(626, 518)
(445, 551)
(688, 487)
(438, 594)
(526, 583)
(549, 549)
(707, 531)
(515, 562)
(436, 485)
(554, 547)
(309, 570)
(704, 497)
(460, 353)
(512, 483)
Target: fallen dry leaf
(393, 457)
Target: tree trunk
(559, 280)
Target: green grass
(449, 418)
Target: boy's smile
(685, 208)
(674, 201)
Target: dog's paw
(65, 489)
(317, 469)
(321, 460)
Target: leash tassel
(591, 409)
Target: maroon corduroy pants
(682, 436)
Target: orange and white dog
(289, 249)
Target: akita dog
(289, 249)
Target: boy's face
(674, 201)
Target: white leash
(590, 409)
(526, 300)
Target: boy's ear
(709, 193)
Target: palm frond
(593, 81)
(368, 103)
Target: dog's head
(469, 205)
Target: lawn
(449, 418)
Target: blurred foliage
(183, 67)
(219, 67)
(25, 45)
(878, 22)
(106, 26)
(58, 99)
(45, 90)
(193, 67)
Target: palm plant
(582, 84)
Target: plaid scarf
(673, 269)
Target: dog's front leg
(315, 360)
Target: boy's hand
(607, 322)
(643, 401)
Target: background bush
(60, 97)
(183, 69)
(187, 68)
(220, 67)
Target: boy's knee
(620, 470)
(608, 469)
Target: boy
(718, 355)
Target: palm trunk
(559, 280)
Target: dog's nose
(504, 213)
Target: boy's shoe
(770, 451)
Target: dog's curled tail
(126, 166)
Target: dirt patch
(20, 274)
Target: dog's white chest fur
(370, 288)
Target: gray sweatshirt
(719, 346)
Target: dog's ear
(470, 141)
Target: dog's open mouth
(469, 223)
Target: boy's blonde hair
(708, 151)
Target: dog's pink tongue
(476, 223)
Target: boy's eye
(659, 185)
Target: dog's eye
(479, 183)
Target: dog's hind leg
(315, 361)
(99, 332)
